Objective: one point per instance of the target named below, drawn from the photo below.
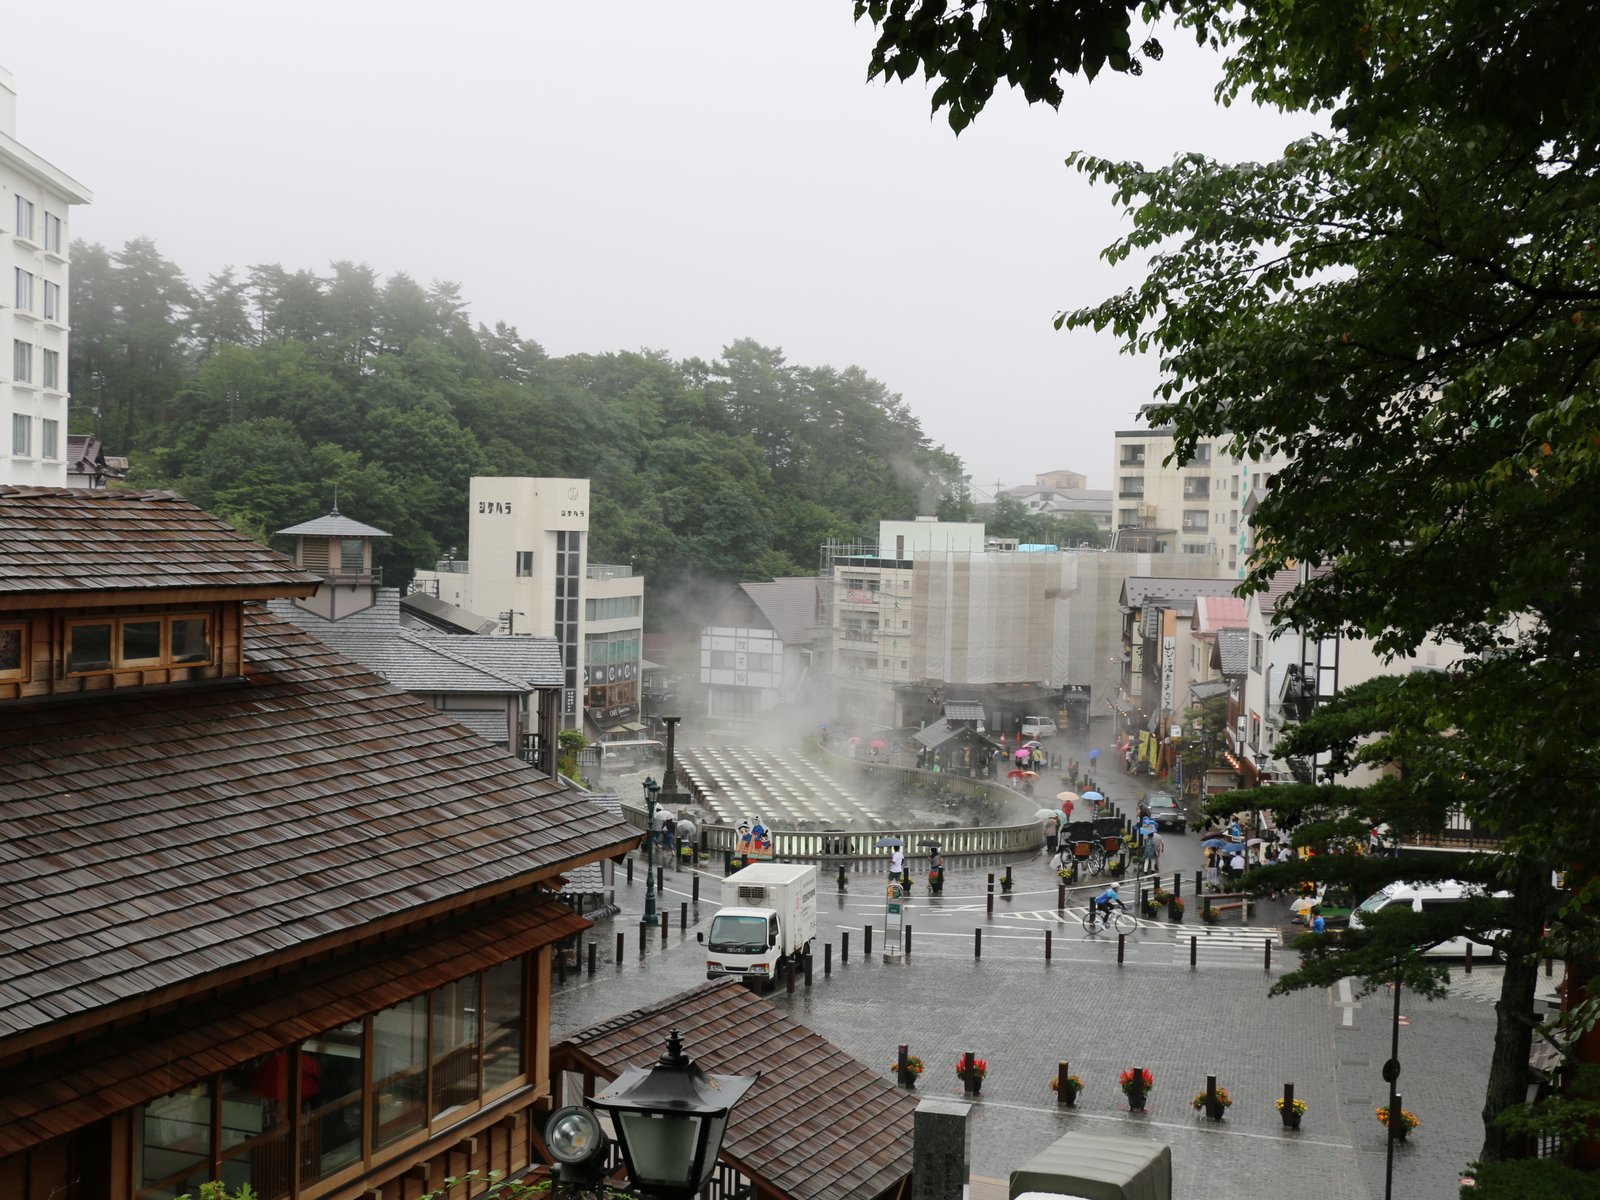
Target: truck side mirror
(700, 936)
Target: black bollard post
(683, 918)
(1194, 950)
(1177, 884)
(977, 943)
(866, 939)
(666, 927)
(1061, 897)
(908, 941)
(661, 880)
(808, 970)
(844, 946)
(594, 952)
(1063, 1072)
(644, 937)
(1199, 882)
(1122, 947)
(1268, 942)
(694, 888)
(619, 949)
(991, 894)
(827, 959)
(629, 864)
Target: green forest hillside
(255, 396)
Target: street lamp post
(670, 1119)
(652, 789)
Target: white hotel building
(34, 199)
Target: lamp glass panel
(661, 1146)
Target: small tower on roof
(340, 551)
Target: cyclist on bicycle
(1105, 902)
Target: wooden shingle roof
(160, 841)
(134, 1065)
(63, 540)
(819, 1123)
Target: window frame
(50, 369)
(22, 672)
(21, 435)
(164, 661)
(25, 216)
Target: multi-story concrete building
(1065, 494)
(528, 566)
(34, 201)
(1197, 510)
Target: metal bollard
(644, 937)
(808, 969)
(619, 949)
(629, 864)
(661, 880)
(1061, 897)
(977, 943)
(1194, 950)
(866, 939)
(594, 953)
(844, 946)
(1468, 966)
(683, 917)
(1122, 947)
(666, 927)
(991, 894)
(1268, 942)
(1063, 1070)
(827, 959)
(694, 888)
(1199, 882)
(1177, 884)
(561, 963)
(1047, 945)
(908, 941)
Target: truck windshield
(738, 935)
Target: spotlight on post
(670, 1119)
(577, 1142)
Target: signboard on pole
(893, 920)
(752, 840)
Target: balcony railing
(610, 571)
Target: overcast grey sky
(613, 175)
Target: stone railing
(792, 844)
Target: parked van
(1428, 897)
(1037, 727)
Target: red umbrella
(878, 743)
(1019, 774)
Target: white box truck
(769, 914)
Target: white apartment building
(34, 200)
(1197, 510)
(528, 567)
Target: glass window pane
(89, 648)
(352, 560)
(399, 1070)
(502, 1024)
(189, 640)
(172, 1142)
(331, 1073)
(141, 641)
(10, 649)
(455, 1046)
(255, 1126)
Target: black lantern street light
(670, 1119)
(652, 789)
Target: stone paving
(1023, 1015)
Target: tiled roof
(1233, 652)
(935, 735)
(590, 879)
(1208, 689)
(59, 540)
(335, 524)
(157, 838)
(790, 606)
(1283, 582)
(424, 660)
(818, 1124)
(963, 710)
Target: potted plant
(1136, 1084)
(913, 1069)
(1070, 1096)
(971, 1069)
(1403, 1122)
(1210, 915)
(1291, 1112)
(1175, 909)
(1214, 1108)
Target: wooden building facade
(264, 918)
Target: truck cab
(769, 915)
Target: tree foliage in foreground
(257, 395)
(1407, 309)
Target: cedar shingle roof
(173, 837)
(819, 1123)
(136, 1064)
(59, 540)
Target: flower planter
(1292, 1120)
(974, 1086)
(1216, 1111)
(1070, 1099)
(1174, 914)
(1136, 1102)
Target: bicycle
(1116, 921)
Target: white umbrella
(663, 815)
(1045, 813)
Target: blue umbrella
(1233, 847)
(1213, 843)
(1094, 755)
(1091, 796)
